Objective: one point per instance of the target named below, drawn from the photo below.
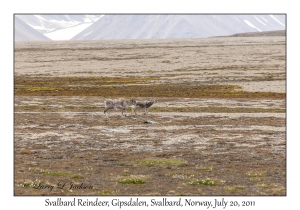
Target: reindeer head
(153, 101)
(132, 101)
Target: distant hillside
(178, 26)
(265, 33)
(24, 32)
(142, 26)
(59, 27)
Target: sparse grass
(256, 179)
(131, 181)
(48, 82)
(67, 191)
(266, 185)
(112, 87)
(41, 88)
(206, 182)
(234, 188)
(104, 192)
(56, 173)
(77, 176)
(90, 107)
(208, 169)
(86, 168)
(256, 174)
(159, 162)
(70, 107)
(30, 107)
(35, 108)
(184, 173)
(34, 184)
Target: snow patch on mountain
(264, 19)
(59, 27)
(260, 21)
(272, 16)
(251, 25)
(67, 33)
(88, 33)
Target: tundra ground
(218, 127)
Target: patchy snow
(64, 23)
(272, 16)
(251, 25)
(67, 33)
(87, 20)
(71, 28)
(41, 27)
(259, 21)
(237, 19)
(264, 19)
(88, 33)
(40, 17)
(91, 18)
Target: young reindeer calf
(142, 105)
(118, 104)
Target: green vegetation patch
(266, 186)
(45, 82)
(128, 87)
(256, 174)
(206, 182)
(56, 173)
(104, 192)
(30, 107)
(35, 184)
(159, 162)
(208, 169)
(131, 181)
(40, 88)
(234, 188)
(185, 173)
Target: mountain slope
(59, 27)
(178, 26)
(24, 32)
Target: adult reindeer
(142, 105)
(118, 104)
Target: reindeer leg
(106, 109)
(134, 110)
(125, 112)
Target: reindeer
(118, 104)
(142, 105)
